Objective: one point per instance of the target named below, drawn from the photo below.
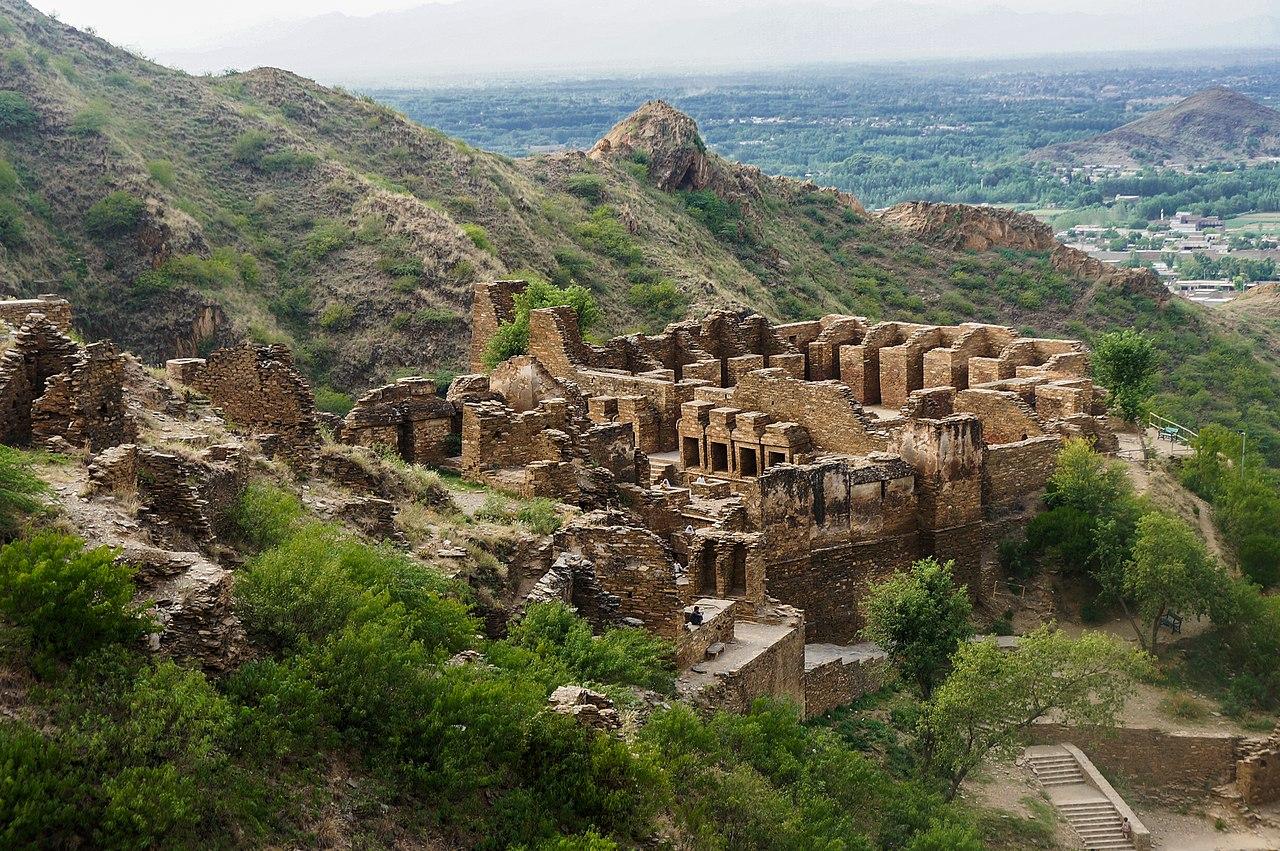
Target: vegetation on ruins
(919, 617)
(992, 696)
(512, 338)
(1124, 362)
(64, 600)
(350, 676)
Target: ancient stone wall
(1258, 777)
(838, 678)
(633, 565)
(57, 310)
(40, 351)
(492, 305)
(1013, 471)
(1153, 760)
(827, 410)
(407, 417)
(258, 388)
(85, 404)
(1005, 417)
(777, 671)
(171, 504)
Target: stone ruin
(257, 388)
(765, 474)
(52, 388)
(769, 474)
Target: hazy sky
(159, 24)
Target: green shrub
(12, 228)
(589, 187)
(1260, 559)
(662, 299)
(326, 238)
(8, 177)
(38, 807)
(117, 214)
(604, 233)
(332, 401)
(66, 600)
(90, 121)
(16, 113)
(265, 516)
(512, 338)
(162, 172)
(250, 147)
(478, 236)
(540, 515)
(562, 645)
(720, 217)
(20, 490)
(287, 160)
(318, 583)
(336, 317)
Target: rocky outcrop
(670, 141)
(964, 227)
(968, 228)
(589, 708)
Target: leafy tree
(993, 696)
(67, 600)
(919, 618)
(1124, 362)
(117, 214)
(1170, 571)
(11, 225)
(16, 112)
(19, 490)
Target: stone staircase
(1055, 769)
(1091, 814)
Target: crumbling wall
(827, 410)
(85, 404)
(633, 565)
(1011, 471)
(1258, 777)
(39, 352)
(1005, 417)
(407, 417)
(171, 504)
(492, 305)
(54, 308)
(258, 388)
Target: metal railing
(1169, 430)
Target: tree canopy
(919, 618)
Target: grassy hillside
(180, 212)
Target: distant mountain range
(1214, 125)
(511, 37)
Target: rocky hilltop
(1214, 125)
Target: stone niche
(408, 417)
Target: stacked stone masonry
(257, 388)
(797, 464)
